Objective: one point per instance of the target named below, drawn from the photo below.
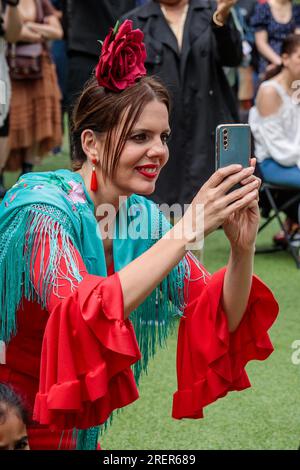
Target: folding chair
(268, 194)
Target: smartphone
(233, 145)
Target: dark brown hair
(104, 111)
(289, 45)
(11, 401)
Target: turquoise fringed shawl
(56, 204)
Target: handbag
(25, 59)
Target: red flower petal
(122, 58)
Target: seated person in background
(13, 419)
(275, 123)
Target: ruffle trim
(64, 408)
(229, 352)
(86, 358)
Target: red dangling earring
(94, 181)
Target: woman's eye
(144, 138)
(21, 444)
(165, 138)
(139, 137)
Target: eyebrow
(168, 130)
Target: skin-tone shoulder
(268, 101)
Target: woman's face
(292, 63)
(13, 434)
(145, 152)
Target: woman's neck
(175, 8)
(105, 194)
(285, 79)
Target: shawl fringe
(21, 236)
(25, 230)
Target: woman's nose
(157, 150)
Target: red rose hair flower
(122, 57)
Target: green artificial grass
(53, 162)
(266, 416)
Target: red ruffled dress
(72, 361)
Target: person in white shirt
(275, 125)
(275, 120)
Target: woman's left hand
(241, 227)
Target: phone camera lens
(225, 139)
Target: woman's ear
(90, 144)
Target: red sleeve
(210, 360)
(87, 349)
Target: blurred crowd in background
(215, 71)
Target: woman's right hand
(212, 205)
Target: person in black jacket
(85, 23)
(187, 44)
